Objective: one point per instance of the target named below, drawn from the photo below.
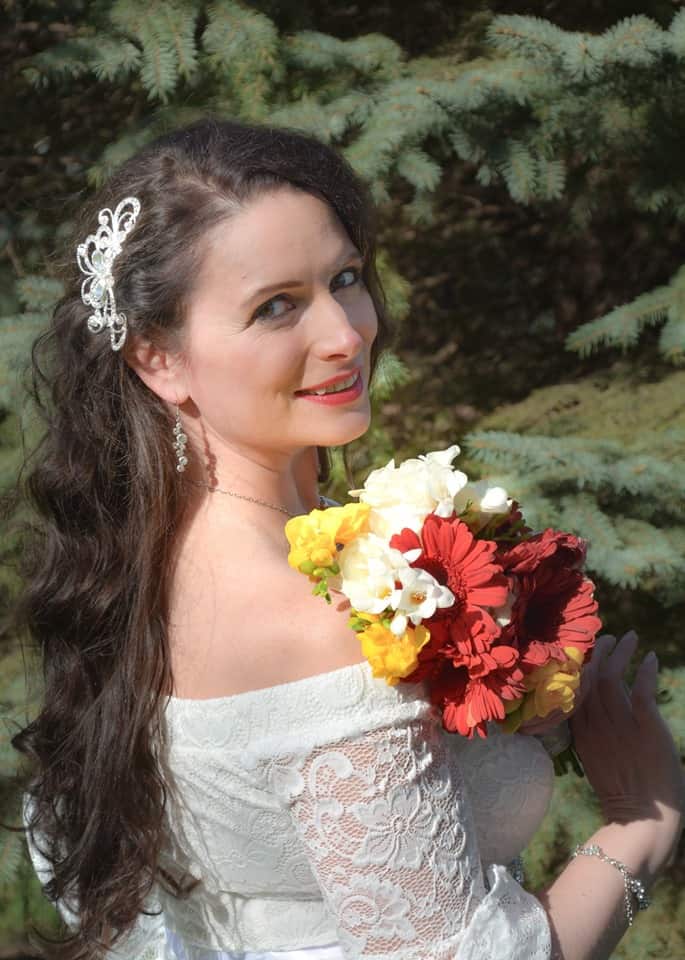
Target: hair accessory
(180, 443)
(632, 884)
(95, 257)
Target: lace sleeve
(387, 824)
(147, 939)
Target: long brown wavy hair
(107, 502)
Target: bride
(215, 772)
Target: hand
(626, 748)
(541, 725)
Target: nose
(336, 333)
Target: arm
(632, 763)
(146, 941)
(585, 903)
(386, 821)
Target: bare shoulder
(243, 619)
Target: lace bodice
(335, 810)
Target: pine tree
(544, 114)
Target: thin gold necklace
(242, 496)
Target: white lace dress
(332, 818)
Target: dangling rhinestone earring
(180, 443)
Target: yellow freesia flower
(391, 656)
(513, 718)
(553, 686)
(353, 521)
(313, 537)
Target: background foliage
(527, 162)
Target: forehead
(276, 236)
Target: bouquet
(449, 586)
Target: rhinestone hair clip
(95, 257)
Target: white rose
(368, 570)
(403, 496)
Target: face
(279, 308)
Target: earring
(180, 443)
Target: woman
(217, 772)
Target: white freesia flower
(368, 570)
(484, 497)
(502, 615)
(403, 496)
(420, 596)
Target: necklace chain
(242, 496)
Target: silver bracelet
(632, 884)
(516, 869)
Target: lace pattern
(391, 840)
(390, 833)
(336, 811)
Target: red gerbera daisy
(526, 556)
(555, 606)
(470, 673)
(470, 699)
(451, 554)
(469, 676)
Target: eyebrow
(350, 254)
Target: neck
(295, 491)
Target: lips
(339, 378)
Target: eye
(266, 311)
(353, 272)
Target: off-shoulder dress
(332, 818)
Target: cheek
(218, 368)
(366, 319)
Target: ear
(160, 369)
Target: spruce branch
(541, 456)
(579, 513)
(15, 332)
(551, 178)
(38, 293)
(372, 55)
(636, 41)
(622, 326)
(114, 59)
(415, 166)
(347, 111)
(70, 59)
(119, 150)
(519, 170)
(390, 373)
(240, 40)
(165, 31)
(676, 35)
(306, 114)
(672, 336)
(396, 288)
(11, 854)
(420, 210)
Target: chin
(342, 433)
